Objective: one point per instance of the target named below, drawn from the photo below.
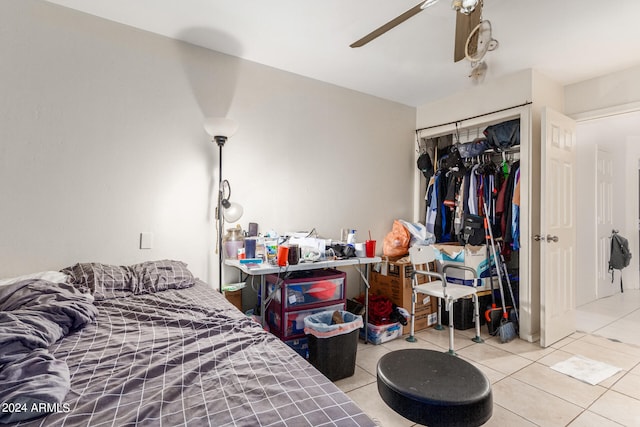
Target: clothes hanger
(505, 165)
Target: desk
(263, 269)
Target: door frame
(631, 274)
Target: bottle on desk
(233, 241)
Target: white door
(557, 236)
(604, 220)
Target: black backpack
(620, 255)
(473, 232)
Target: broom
(492, 315)
(510, 287)
(506, 331)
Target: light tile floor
(526, 391)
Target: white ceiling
(567, 40)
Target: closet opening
(472, 175)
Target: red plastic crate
(298, 297)
(317, 287)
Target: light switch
(146, 240)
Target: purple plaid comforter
(187, 357)
(34, 314)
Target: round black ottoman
(434, 388)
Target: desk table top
(265, 268)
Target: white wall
(605, 94)
(492, 95)
(101, 138)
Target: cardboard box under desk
(235, 298)
(394, 282)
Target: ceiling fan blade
(389, 25)
(464, 25)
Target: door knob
(538, 237)
(551, 238)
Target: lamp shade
(232, 213)
(220, 126)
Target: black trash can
(333, 347)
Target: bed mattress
(188, 357)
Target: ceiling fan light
(428, 3)
(464, 6)
(468, 6)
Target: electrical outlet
(146, 240)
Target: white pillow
(51, 276)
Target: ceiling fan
(468, 14)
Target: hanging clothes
(451, 195)
(431, 206)
(508, 235)
(515, 220)
(472, 198)
(459, 211)
(509, 221)
(465, 194)
(501, 206)
(444, 222)
(439, 204)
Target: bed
(149, 344)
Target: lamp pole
(220, 141)
(220, 128)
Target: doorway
(601, 308)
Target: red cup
(370, 248)
(283, 255)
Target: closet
(485, 176)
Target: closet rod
(474, 117)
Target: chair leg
(411, 337)
(450, 310)
(476, 319)
(439, 326)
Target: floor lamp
(220, 129)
